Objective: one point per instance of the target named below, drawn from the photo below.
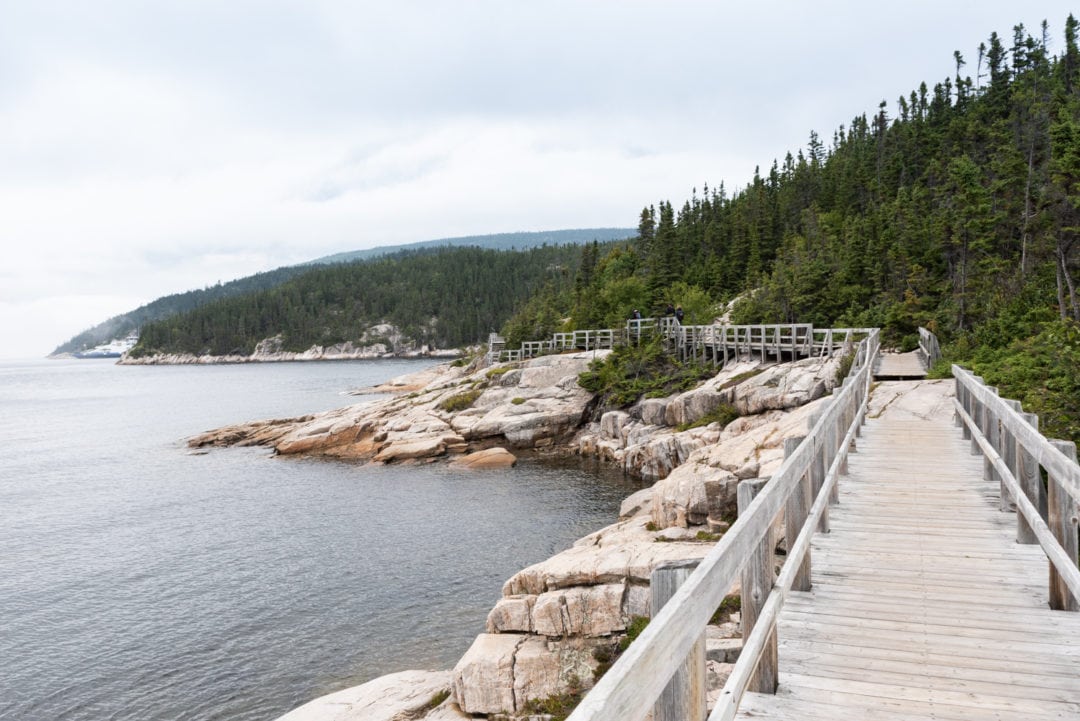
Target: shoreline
(303, 357)
(556, 618)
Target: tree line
(443, 298)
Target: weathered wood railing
(929, 349)
(807, 476)
(1013, 452)
(718, 342)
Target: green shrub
(730, 604)
(725, 413)
(517, 401)
(630, 372)
(1041, 372)
(436, 700)
(558, 706)
(633, 630)
(846, 361)
(460, 401)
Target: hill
(442, 298)
(496, 241)
(126, 323)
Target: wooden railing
(721, 342)
(662, 656)
(929, 349)
(1014, 452)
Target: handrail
(998, 430)
(1049, 457)
(637, 678)
(929, 348)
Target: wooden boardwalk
(923, 605)
(896, 366)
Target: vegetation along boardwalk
(930, 571)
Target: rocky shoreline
(561, 620)
(391, 344)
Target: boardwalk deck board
(923, 605)
(900, 365)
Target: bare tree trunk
(1063, 268)
(1024, 234)
(963, 286)
(1060, 289)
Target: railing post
(1063, 523)
(683, 699)
(817, 472)
(1006, 448)
(989, 425)
(832, 447)
(757, 581)
(964, 397)
(843, 420)
(975, 411)
(795, 513)
(1029, 478)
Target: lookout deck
(923, 605)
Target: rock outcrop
(378, 341)
(534, 404)
(487, 459)
(395, 697)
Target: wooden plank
(837, 708)
(930, 618)
(980, 682)
(1017, 708)
(948, 660)
(857, 705)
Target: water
(141, 581)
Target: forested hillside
(445, 298)
(169, 305)
(956, 208)
(127, 323)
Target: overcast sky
(152, 147)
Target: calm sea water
(141, 581)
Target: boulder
(488, 458)
(580, 611)
(623, 553)
(653, 411)
(511, 614)
(483, 679)
(635, 503)
(407, 694)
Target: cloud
(152, 148)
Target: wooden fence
(1016, 455)
(664, 654)
(717, 343)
